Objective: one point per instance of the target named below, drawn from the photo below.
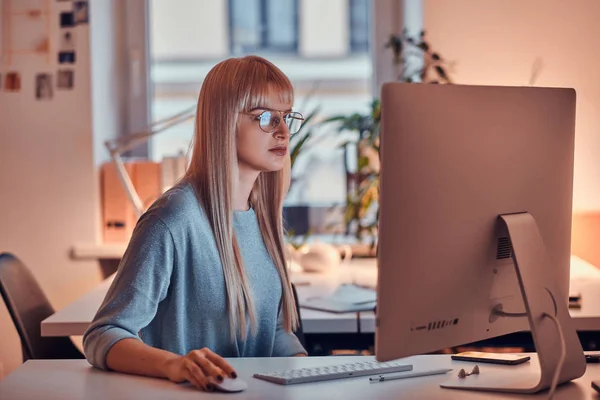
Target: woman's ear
(287, 175)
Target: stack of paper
(346, 298)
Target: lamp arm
(134, 198)
(123, 143)
(127, 142)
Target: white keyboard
(327, 373)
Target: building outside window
(360, 18)
(263, 26)
(317, 45)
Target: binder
(118, 215)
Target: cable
(563, 354)
(509, 314)
(563, 345)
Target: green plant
(417, 61)
(363, 185)
(299, 139)
(297, 144)
(418, 64)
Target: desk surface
(74, 319)
(76, 379)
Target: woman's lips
(280, 151)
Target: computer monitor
(475, 223)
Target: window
(360, 16)
(263, 25)
(188, 37)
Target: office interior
(124, 65)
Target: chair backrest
(299, 332)
(28, 306)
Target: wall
(323, 30)
(110, 103)
(497, 43)
(199, 26)
(48, 177)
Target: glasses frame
(281, 118)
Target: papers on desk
(346, 298)
(582, 270)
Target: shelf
(98, 251)
(86, 251)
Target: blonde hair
(233, 86)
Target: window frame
(355, 46)
(264, 46)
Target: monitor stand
(540, 295)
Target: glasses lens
(266, 121)
(294, 122)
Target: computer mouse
(230, 385)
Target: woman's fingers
(196, 376)
(221, 363)
(212, 364)
(209, 369)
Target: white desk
(76, 379)
(74, 319)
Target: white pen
(410, 374)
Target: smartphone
(592, 358)
(492, 358)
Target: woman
(204, 274)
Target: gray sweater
(169, 290)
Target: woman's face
(258, 150)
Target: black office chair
(299, 332)
(28, 307)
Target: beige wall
(189, 28)
(324, 29)
(48, 156)
(497, 42)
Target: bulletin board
(46, 29)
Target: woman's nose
(282, 131)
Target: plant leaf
(296, 149)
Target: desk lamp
(121, 144)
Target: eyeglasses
(270, 120)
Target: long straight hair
(233, 86)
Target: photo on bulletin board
(12, 82)
(65, 79)
(80, 10)
(67, 19)
(66, 57)
(43, 87)
(67, 40)
(29, 35)
(66, 46)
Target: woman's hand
(200, 368)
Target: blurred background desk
(328, 333)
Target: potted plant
(295, 234)
(417, 63)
